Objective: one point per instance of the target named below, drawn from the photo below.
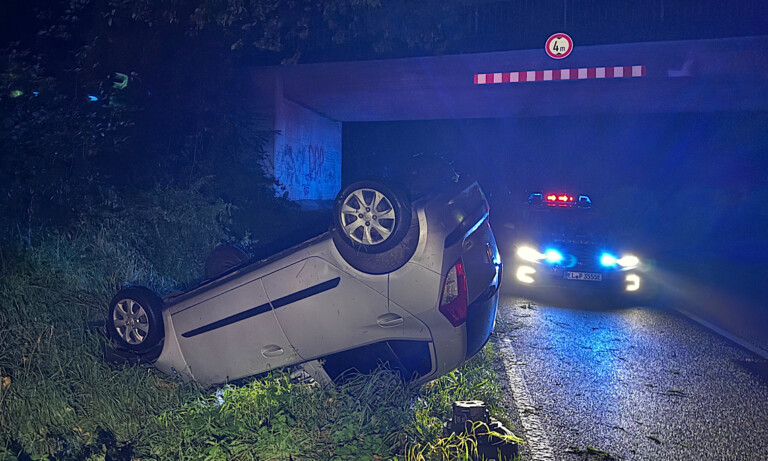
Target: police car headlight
(529, 254)
(628, 261)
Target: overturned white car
(410, 281)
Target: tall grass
(368, 417)
(58, 394)
(59, 398)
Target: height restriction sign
(559, 46)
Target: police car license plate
(588, 276)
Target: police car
(562, 244)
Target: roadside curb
(730, 336)
(536, 438)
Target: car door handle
(272, 351)
(389, 320)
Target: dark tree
(97, 95)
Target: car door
(324, 310)
(232, 334)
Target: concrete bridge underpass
(308, 104)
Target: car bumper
(481, 318)
(531, 276)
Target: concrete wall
(307, 153)
(304, 153)
(681, 76)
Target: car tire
(135, 320)
(375, 230)
(222, 259)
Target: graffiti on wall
(307, 173)
(316, 159)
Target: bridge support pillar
(304, 151)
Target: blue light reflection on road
(637, 381)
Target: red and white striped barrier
(582, 73)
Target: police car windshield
(562, 220)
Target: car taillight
(453, 300)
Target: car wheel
(135, 320)
(373, 227)
(222, 259)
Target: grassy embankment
(61, 400)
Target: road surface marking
(746, 345)
(534, 434)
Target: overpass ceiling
(680, 76)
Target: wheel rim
(368, 217)
(131, 321)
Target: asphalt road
(631, 383)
